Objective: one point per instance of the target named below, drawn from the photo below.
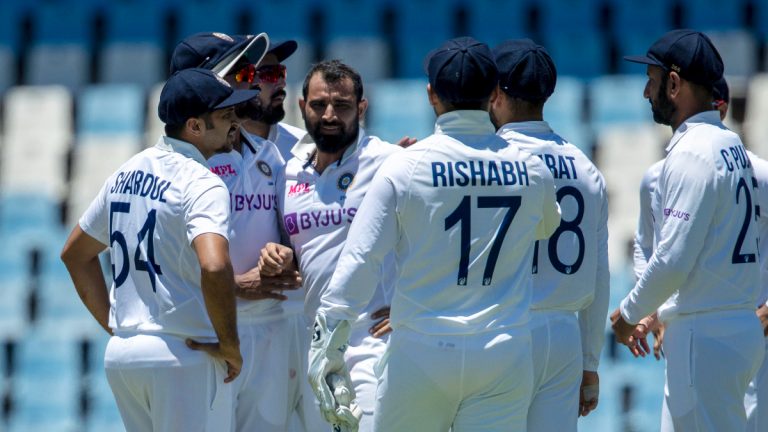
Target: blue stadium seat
(135, 63)
(618, 100)
(739, 51)
(399, 108)
(581, 53)
(636, 43)
(557, 15)
(420, 26)
(72, 65)
(28, 213)
(707, 15)
(14, 295)
(134, 21)
(196, 16)
(564, 111)
(11, 19)
(282, 19)
(111, 109)
(493, 22)
(353, 18)
(62, 22)
(630, 17)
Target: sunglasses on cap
(268, 74)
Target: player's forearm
(218, 291)
(89, 283)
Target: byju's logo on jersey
(345, 181)
(291, 222)
(318, 219)
(264, 168)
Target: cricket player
(319, 194)
(704, 269)
(460, 210)
(267, 390)
(570, 269)
(165, 217)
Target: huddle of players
(447, 234)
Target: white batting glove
(326, 357)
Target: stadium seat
(13, 307)
(350, 19)
(581, 53)
(564, 111)
(27, 107)
(95, 158)
(399, 108)
(24, 212)
(739, 51)
(636, 43)
(63, 22)
(707, 15)
(556, 15)
(7, 68)
(369, 56)
(112, 109)
(618, 100)
(72, 65)
(134, 22)
(629, 17)
(154, 127)
(137, 63)
(34, 163)
(11, 18)
(417, 33)
(755, 125)
(196, 16)
(486, 17)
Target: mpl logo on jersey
(297, 222)
(299, 189)
(224, 170)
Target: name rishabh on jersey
(472, 206)
(317, 210)
(250, 179)
(149, 212)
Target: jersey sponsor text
(296, 222)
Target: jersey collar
(183, 148)
(706, 117)
(464, 122)
(526, 128)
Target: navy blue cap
(689, 53)
(720, 91)
(526, 71)
(462, 70)
(282, 49)
(217, 51)
(196, 91)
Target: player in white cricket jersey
(570, 269)
(461, 210)
(165, 217)
(704, 269)
(319, 194)
(267, 389)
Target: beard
(333, 143)
(663, 109)
(271, 114)
(250, 109)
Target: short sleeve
(95, 220)
(207, 208)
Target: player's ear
(433, 99)
(362, 106)
(193, 125)
(302, 105)
(673, 84)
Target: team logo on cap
(264, 168)
(345, 181)
(223, 37)
(221, 80)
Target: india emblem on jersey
(264, 168)
(345, 181)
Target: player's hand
(589, 392)
(275, 258)
(348, 412)
(640, 336)
(624, 331)
(255, 286)
(406, 142)
(382, 327)
(762, 313)
(229, 354)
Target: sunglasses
(267, 74)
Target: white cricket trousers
(161, 385)
(557, 371)
(756, 400)
(267, 387)
(433, 383)
(711, 357)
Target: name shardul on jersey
(140, 183)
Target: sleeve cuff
(629, 311)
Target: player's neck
(322, 160)
(257, 128)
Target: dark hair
(333, 71)
(174, 131)
(466, 105)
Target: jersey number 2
(463, 215)
(737, 257)
(147, 231)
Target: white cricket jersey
(706, 251)
(253, 207)
(643, 243)
(461, 209)
(570, 269)
(317, 210)
(148, 212)
(285, 137)
(760, 167)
